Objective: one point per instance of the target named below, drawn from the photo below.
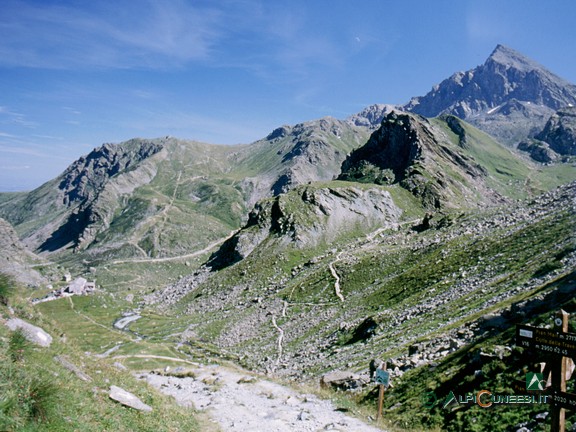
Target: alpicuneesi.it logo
(485, 398)
(534, 381)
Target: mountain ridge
(95, 200)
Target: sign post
(558, 370)
(383, 380)
(557, 346)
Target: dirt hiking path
(240, 402)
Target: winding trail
(369, 238)
(280, 339)
(177, 257)
(336, 277)
(152, 356)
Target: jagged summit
(417, 154)
(371, 116)
(509, 57)
(509, 96)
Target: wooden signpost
(555, 346)
(382, 378)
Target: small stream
(122, 323)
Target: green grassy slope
(38, 394)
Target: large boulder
(128, 399)
(342, 380)
(32, 333)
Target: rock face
(560, 132)
(85, 178)
(310, 151)
(538, 150)
(412, 151)
(15, 259)
(32, 333)
(508, 86)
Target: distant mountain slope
(15, 260)
(164, 197)
(301, 310)
(299, 154)
(510, 96)
(409, 166)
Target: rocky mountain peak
(511, 58)
(393, 147)
(371, 116)
(479, 95)
(85, 177)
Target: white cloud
(9, 116)
(14, 167)
(22, 151)
(106, 34)
(487, 25)
(71, 110)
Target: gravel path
(244, 403)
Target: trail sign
(547, 341)
(555, 347)
(382, 377)
(564, 400)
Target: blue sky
(75, 74)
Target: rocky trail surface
(239, 402)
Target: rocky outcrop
(342, 380)
(508, 86)
(308, 215)
(395, 147)
(15, 259)
(560, 132)
(410, 150)
(538, 150)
